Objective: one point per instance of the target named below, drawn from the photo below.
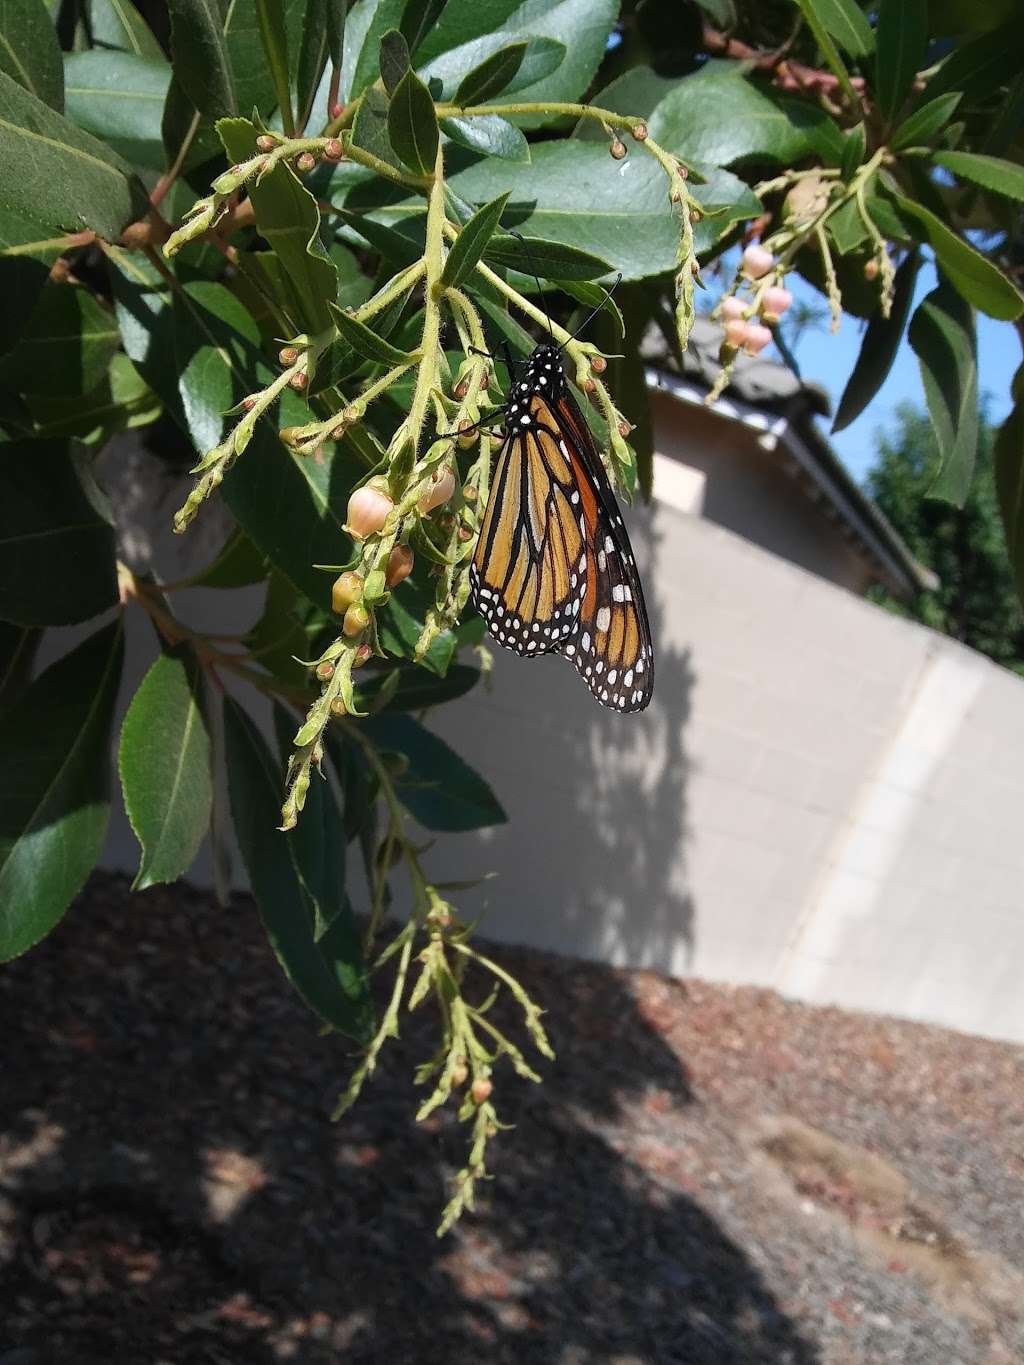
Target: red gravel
(687, 1187)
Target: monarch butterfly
(553, 570)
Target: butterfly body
(554, 570)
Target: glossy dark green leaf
(164, 762)
(943, 335)
(638, 91)
(66, 179)
(328, 973)
(18, 646)
(844, 21)
(491, 135)
(119, 97)
(29, 51)
(467, 33)
(121, 402)
(1009, 463)
(394, 59)
(67, 345)
(689, 122)
(494, 74)
(596, 297)
(394, 246)
(278, 641)
(926, 122)
(55, 797)
(438, 788)
(978, 280)
(878, 347)
(270, 21)
(400, 625)
(366, 342)
(417, 689)
(978, 67)
(57, 562)
(287, 216)
(293, 509)
(370, 127)
(854, 146)
(367, 22)
(202, 64)
(323, 24)
(902, 42)
(117, 25)
(472, 241)
(572, 192)
(144, 313)
(418, 18)
(990, 172)
(412, 124)
(550, 260)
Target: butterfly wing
(529, 571)
(611, 644)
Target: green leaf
(143, 307)
(278, 640)
(977, 279)
(67, 345)
(367, 22)
(489, 134)
(572, 192)
(18, 646)
(120, 97)
(472, 240)
(467, 32)
(121, 402)
(328, 974)
(394, 246)
(394, 59)
(164, 762)
(438, 788)
(401, 623)
(56, 539)
(417, 689)
(550, 260)
(366, 342)
(1009, 465)
(854, 147)
(117, 25)
(412, 124)
(55, 798)
(293, 509)
(843, 21)
(636, 93)
(879, 347)
(66, 180)
(902, 45)
(979, 67)
(688, 122)
(202, 65)
(323, 24)
(274, 40)
(29, 51)
(925, 122)
(287, 216)
(492, 75)
(942, 333)
(418, 19)
(990, 172)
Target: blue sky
(828, 360)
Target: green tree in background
(976, 601)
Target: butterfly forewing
(554, 569)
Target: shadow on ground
(172, 1190)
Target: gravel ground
(708, 1176)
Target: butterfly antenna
(529, 261)
(594, 312)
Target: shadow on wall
(172, 1190)
(592, 861)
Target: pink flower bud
(732, 307)
(368, 509)
(758, 338)
(757, 261)
(736, 331)
(776, 300)
(441, 488)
